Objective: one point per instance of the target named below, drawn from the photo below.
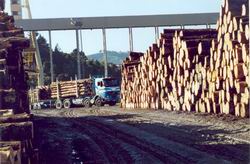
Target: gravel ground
(114, 135)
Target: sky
(117, 39)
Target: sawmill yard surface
(115, 135)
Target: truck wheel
(39, 106)
(33, 106)
(67, 103)
(86, 103)
(112, 103)
(98, 102)
(58, 104)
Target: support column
(51, 59)
(78, 55)
(156, 34)
(131, 44)
(105, 52)
(208, 26)
(83, 64)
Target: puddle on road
(109, 120)
(79, 152)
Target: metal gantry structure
(103, 23)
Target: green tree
(65, 64)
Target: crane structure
(33, 51)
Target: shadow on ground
(82, 139)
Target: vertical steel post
(78, 55)
(156, 34)
(51, 58)
(105, 52)
(83, 64)
(131, 44)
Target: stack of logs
(201, 70)
(16, 128)
(13, 80)
(75, 88)
(16, 137)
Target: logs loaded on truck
(85, 92)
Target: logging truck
(82, 93)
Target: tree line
(65, 64)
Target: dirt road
(114, 135)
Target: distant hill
(113, 57)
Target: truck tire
(113, 103)
(59, 104)
(98, 102)
(67, 103)
(86, 103)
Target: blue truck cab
(107, 91)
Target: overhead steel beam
(118, 21)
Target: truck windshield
(111, 83)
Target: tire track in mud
(158, 153)
(188, 139)
(161, 148)
(109, 146)
(118, 144)
(151, 150)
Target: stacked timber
(13, 82)
(202, 70)
(230, 59)
(64, 89)
(191, 56)
(16, 128)
(16, 137)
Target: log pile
(202, 70)
(13, 82)
(16, 138)
(16, 128)
(232, 50)
(75, 88)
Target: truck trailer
(84, 93)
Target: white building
(16, 9)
